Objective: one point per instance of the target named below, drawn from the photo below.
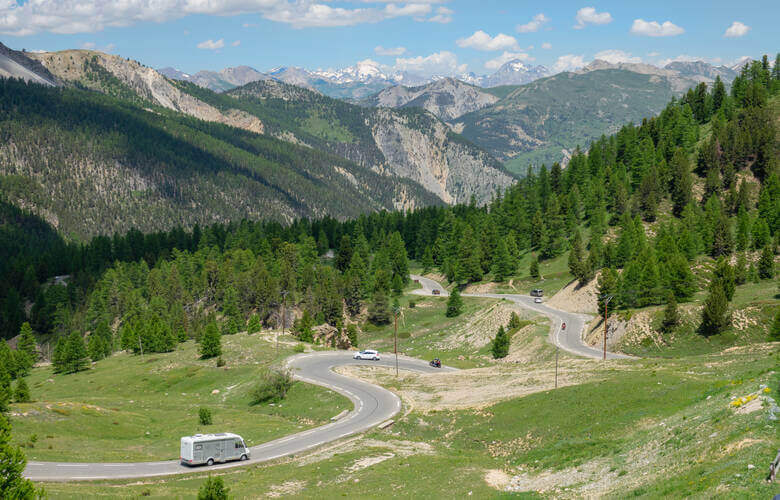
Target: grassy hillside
(647, 428)
(101, 165)
(534, 123)
(133, 408)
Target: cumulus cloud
(505, 58)
(736, 30)
(438, 63)
(588, 15)
(443, 16)
(482, 41)
(534, 24)
(569, 62)
(615, 56)
(391, 51)
(546, 45)
(211, 44)
(86, 16)
(652, 28)
(236, 43)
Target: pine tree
(774, 332)
(96, 347)
(671, 316)
(27, 342)
(210, 342)
(352, 334)
(514, 321)
(13, 485)
(427, 260)
(379, 309)
(22, 392)
(58, 355)
(454, 304)
(534, 268)
(722, 242)
(502, 262)
(741, 270)
(681, 181)
(76, 358)
(576, 259)
(609, 284)
(715, 316)
(253, 325)
(724, 274)
(398, 285)
(766, 264)
(500, 346)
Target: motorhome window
(238, 444)
(198, 446)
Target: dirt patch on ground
(286, 488)
(479, 328)
(365, 462)
(394, 448)
(480, 288)
(736, 446)
(475, 388)
(577, 299)
(497, 479)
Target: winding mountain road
(569, 339)
(373, 405)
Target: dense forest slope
(416, 147)
(93, 164)
(409, 143)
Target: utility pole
(284, 318)
(606, 304)
(396, 310)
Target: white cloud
(505, 58)
(546, 45)
(534, 24)
(482, 41)
(736, 30)
(211, 44)
(88, 45)
(110, 47)
(443, 16)
(615, 56)
(569, 62)
(390, 51)
(652, 28)
(87, 16)
(680, 58)
(653, 54)
(588, 15)
(439, 63)
(236, 43)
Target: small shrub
(299, 348)
(204, 416)
(273, 387)
(220, 361)
(404, 335)
(412, 304)
(213, 489)
(22, 392)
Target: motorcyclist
(436, 362)
(563, 326)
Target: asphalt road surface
(569, 339)
(373, 405)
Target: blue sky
(423, 36)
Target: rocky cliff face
(446, 98)
(87, 68)
(428, 155)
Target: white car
(369, 354)
(538, 300)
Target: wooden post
(606, 304)
(773, 468)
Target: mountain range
(118, 136)
(354, 82)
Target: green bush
(22, 392)
(352, 335)
(412, 304)
(204, 416)
(220, 362)
(299, 348)
(213, 489)
(273, 387)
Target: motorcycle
(436, 363)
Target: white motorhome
(212, 448)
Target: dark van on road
(537, 292)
